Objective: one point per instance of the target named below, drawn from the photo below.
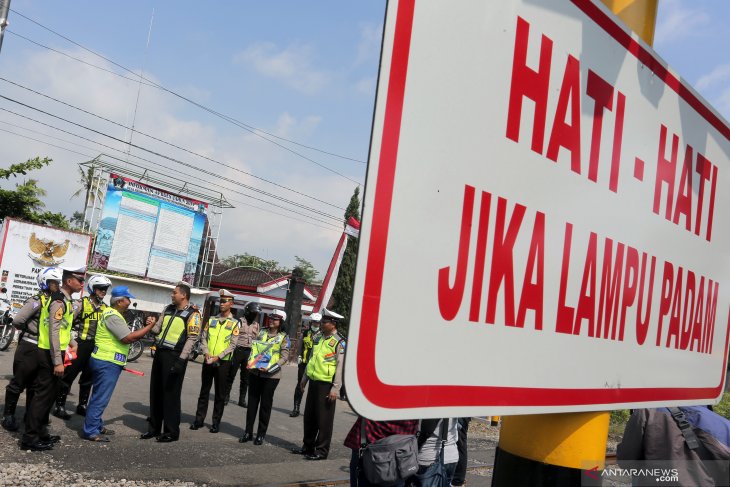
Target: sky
(296, 73)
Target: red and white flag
(352, 228)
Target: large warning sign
(545, 224)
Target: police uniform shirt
(56, 312)
(235, 335)
(339, 361)
(27, 317)
(192, 329)
(247, 333)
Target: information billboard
(545, 223)
(149, 232)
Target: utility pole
(4, 10)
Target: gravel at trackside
(50, 475)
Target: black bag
(388, 460)
(435, 474)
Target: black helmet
(251, 312)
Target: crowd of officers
(48, 359)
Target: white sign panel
(545, 222)
(26, 248)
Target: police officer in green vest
(54, 338)
(305, 353)
(25, 360)
(269, 352)
(218, 340)
(324, 372)
(177, 331)
(85, 324)
(107, 360)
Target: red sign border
(421, 396)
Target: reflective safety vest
(107, 346)
(90, 316)
(174, 327)
(219, 334)
(323, 364)
(307, 343)
(45, 320)
(266, 351)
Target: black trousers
(460, 471)
(46, 387)
(215, 373)
(239, 360)
(80, 365)
(319, 416)
(25, 371)
(260, 393)
(165, 391)
(298, 393)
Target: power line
(243, 125)
(155, 163)
(189, 151)
(330, 227)
(313, 210)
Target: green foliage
(23, 167)
(248, 260)
(310, 273)
(24, 202)
(620, 416)
(342, 293)
(77, 220)
(723, 409)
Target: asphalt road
(199, 456)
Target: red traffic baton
(132, 371)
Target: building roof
(255, 280)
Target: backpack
(389, 460)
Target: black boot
(9, 422)
(60, 410)
(295, 411)
(84, 393)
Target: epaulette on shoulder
(58, 296)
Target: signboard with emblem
(26, 248)
(545, 221)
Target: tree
(310, 273)
(24, 202)
(248, 260)
(24, 167)
(342, 293)
(91, 185)
(77, 220)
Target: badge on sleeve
(59, 314)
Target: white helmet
(315, 317)
(49, 274)
(97, 281)
(277, 313)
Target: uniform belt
(30, 340)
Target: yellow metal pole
(639, 15)
(555, 449)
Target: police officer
(107, 360)
(177, 331)
(54, 338)
(218, 341)
(25, 361)
(247, 334)
(305, 352)
(324, 371)
(268, 354)
(91, 308)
